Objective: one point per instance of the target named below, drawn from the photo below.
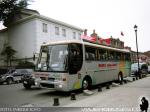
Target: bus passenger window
(86, 56)
(90, 54)
(118, 56)
(122, 56)
(111, 55)
(127, 57)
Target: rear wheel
(120, 76)
(27, 86)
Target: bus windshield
(53, 58)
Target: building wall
(22, 38)
(26, 36)
(44, 37)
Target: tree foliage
(10, 8)
(9, 53)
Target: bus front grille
(47, 78)
(47, 85)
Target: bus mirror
(33, 57)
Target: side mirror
(33, 57)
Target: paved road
(126, 95)
(16, 95)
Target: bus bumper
(56, 85)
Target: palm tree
(9, 53)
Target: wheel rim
(85, 84)
(120, 79)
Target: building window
(74, 35)
(64, 32)
(44, 27)
(57, 30)
(79, 36)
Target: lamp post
(135, 29)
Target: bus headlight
(60, 86)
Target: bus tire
(120, 76)
(86, 83)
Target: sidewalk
(127, 96)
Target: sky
(107, 17)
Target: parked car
(29, 80)
(11, 75)
(142, 66)
(2, 72)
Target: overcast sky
(107, 17)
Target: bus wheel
(120, 76)
(86, 84)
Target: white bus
(71, 65)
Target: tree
(10, 8)
(9, 53)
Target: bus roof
(86, 43)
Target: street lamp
(135, 29)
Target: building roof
(47, 19)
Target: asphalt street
(127, 96)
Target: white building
(29, 31)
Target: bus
(71, 65)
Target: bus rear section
(103, 64)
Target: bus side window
(122, 56)
(102, 54)
(111, 55)
(127, 57)
(105, 55)
(86, 56)
(90, 53)
(118, 56)
(91, 56)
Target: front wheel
(86, 84)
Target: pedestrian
(144, 105)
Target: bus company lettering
(41, 74)
(102, 65)
(107, 65)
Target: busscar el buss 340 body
(71, 65)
